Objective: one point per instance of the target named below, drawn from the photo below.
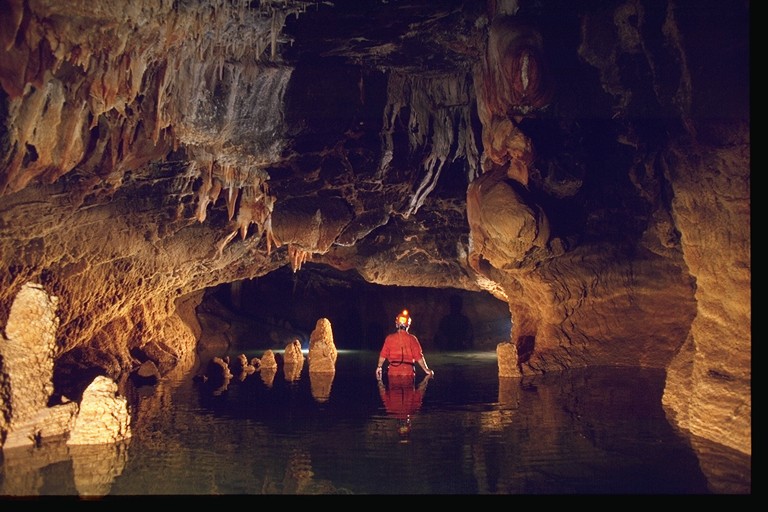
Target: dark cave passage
(271, 311)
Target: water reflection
(321, 383)
(595, 431)
(402, 398)
(268, 376)
(91, 469)
(292, 372)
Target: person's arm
(423, 363)
(423, 360)
(378, 367)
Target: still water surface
(596, 431)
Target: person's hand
(430, 373)
(378, 373)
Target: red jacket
(402, 350)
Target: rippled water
(596, 431)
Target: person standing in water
(402, 351)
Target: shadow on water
(590, 431)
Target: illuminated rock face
(28, 356)
(322, 350)
(101, 411)
(590, 168)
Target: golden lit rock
(27, 357)
(322, 349)
(268, 360)
(293, 361)
(103, 416)
(321, 384)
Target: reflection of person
(402, 351)
(455, 331)
(402, 399)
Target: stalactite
(269, 234)
(297, 256)
(248, 200)
(439, 118)
(113, 67)
(232, 195)
(255, 208)
(203, 197)
(169, 57)
(163, 83)
(273, 34)
(47, 136)
(224, 241)
(395, 102)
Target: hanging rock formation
(587, 163)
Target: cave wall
(585, 163)
(714, 365)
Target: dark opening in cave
(272, 310)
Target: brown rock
(268, 360)
(322, 350)
(103, 416)
(146, 374)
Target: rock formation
(293, 361)
(242, 368)
(322, 349)
(101, 410)
(586, 163)
(268, 361)
(30, 411)
(293, 354)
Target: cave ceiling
(381, 136)
(390, 159)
